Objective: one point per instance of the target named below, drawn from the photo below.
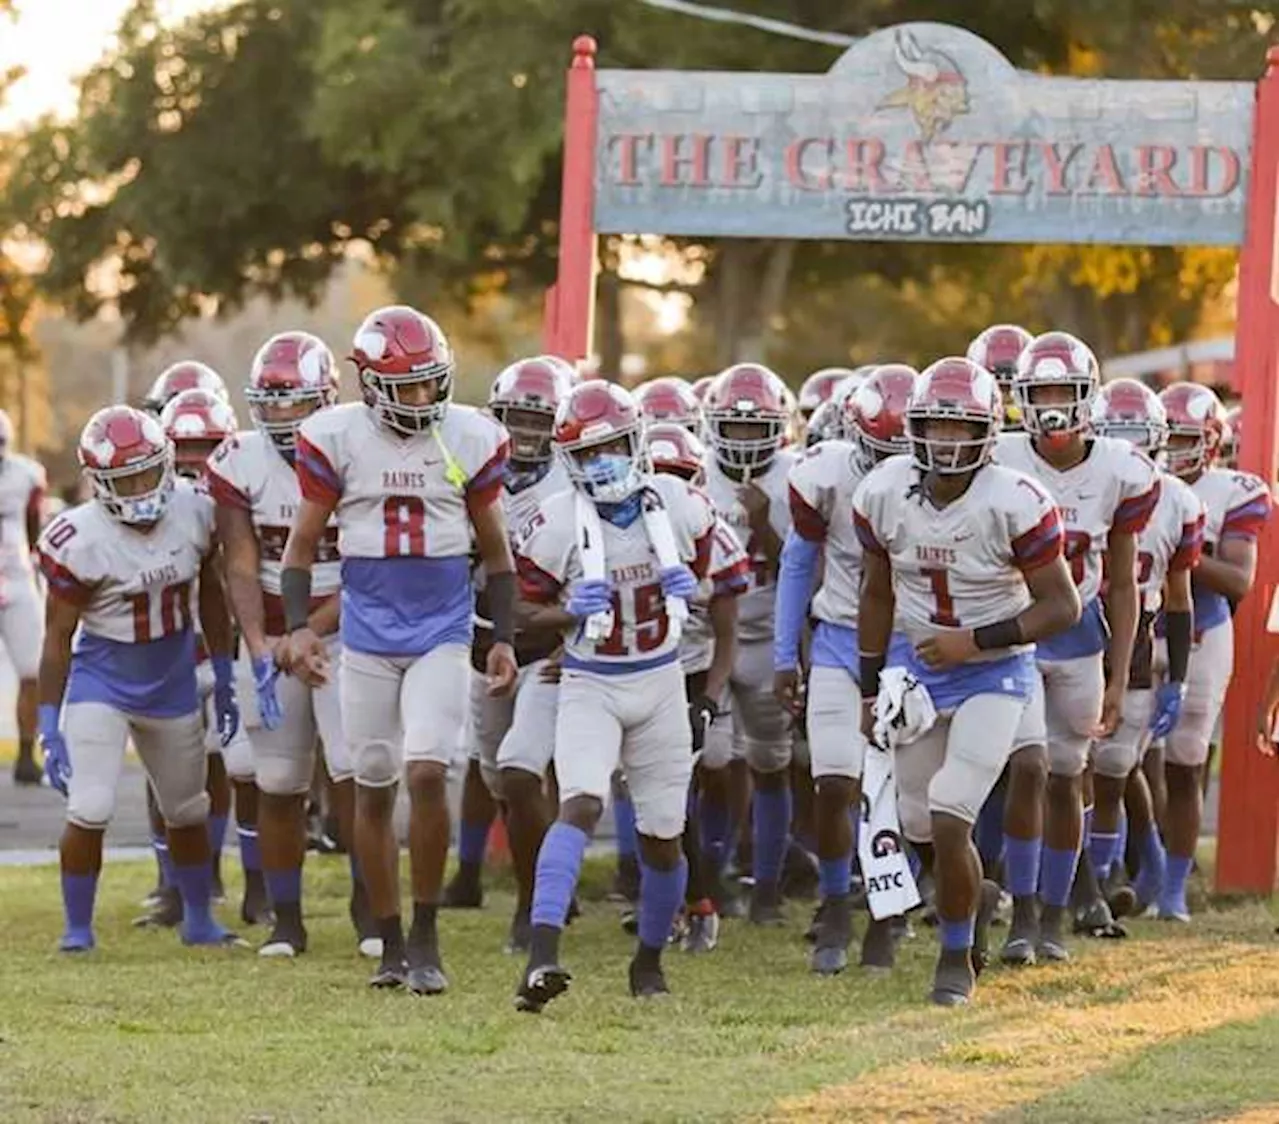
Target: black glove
(702, 712)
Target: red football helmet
(1197, 426)
(824, 424)
(186, 374)
(524, 398)
(820, 387)
(1050, 361)
(700, 387)
(669, 400)
(875, 415)
(129, 461)
(747, 412)
(1133, 412)
(676, 451)
(599, 434)
(996, 349)
(1229, 450)
(197, 423)
(954, 390)
(406, 368)
(293, 375)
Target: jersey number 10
(175, 612)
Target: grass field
(1170, 1025)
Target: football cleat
(286, 941)
(392, 973)
(76, 940)
(880, 946)
(646, 980)
(953, 978)
(165, 914)
(702, 928)
(830, 954)
(1096, 920)
(1024, 931)
(541, 984)
(212, 935)
(1051, 946)
(427, 979)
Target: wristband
(295, 592)
(48, 715)
(1002, 634)
(870, 665)
(500, 591)
(1177, 632)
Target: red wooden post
(1247, 820)
(570, 302)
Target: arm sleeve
(795, 584)
(484, 484)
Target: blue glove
(225, 706)
(264, 683)
(678, 581)
(587, 598)
(1168, 707)
(57, 761)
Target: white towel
(891, 890)
(904, 709)
(663, 540)
(598, 626)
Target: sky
(57, 40)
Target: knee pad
(92, 808)
(960, 787)
(278, 775)
(767, 756)
(189, 813)
(377, 764)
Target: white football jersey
(247, 472)
(822, 486)
(1171, 541)
(755, 606)
(1237, 505)
(726, 577)
(1115, 486)
(401, 497)
(22, 486)
(131, 586)
(960, 566)
(549, 564)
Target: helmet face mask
(530, 431)
(953, 417)
(607, 469)
(1128, 411)
(406, 369)
(410, 404)
(1197, 424)
(747, 413)
(1054, 386)
(745, 442)
(524, 399)
(292, 377)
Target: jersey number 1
(944, 614)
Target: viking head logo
(936, 91)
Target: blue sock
(250, 853)
(714, 829)
(661, 895)
(1151, 871)
(835, 876)
(78, 893)
(1057, 870)
(955, 935)
(217, 835)
(559, 862)
(1021, 865)
(472, 837)
(771, 815)
(195, 884)
(284, 887)
(1102, 852)
(1173, 897)
(624, 819)
(988, 832)
(160, 845)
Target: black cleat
(880, 946)
(541, 984)
(1096, 920)
(1123, 901)
(464, 890)
(392, 972)
(1051, 947)
(27, 772)
(520, 934)
(1024, 931)
(626, 880)
(166, 914)
(766, 905)
(286, 941)
(255, 909)
(830, 954)
(702, 928)
(646, 980)
(953, 978)
(988, 903)
(427, 979)
(800, 874)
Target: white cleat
(371, 948)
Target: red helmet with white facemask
(293, 375)
(672, 449)
(669, 400)
(1197, 426)
(186, 374)
(406, 368)
(1054, 385)
(747, 413)
(876, 414)
(1132, 412)
(599, 434)
(954, 390)
(129, 462)
(196, 423)
(524, 398)
(996, 349)
(820, 387)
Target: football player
(747, 415)
(823, 536)
(1237, 506)
(22, 488)
(607, 564)
(669, 400)
(1106, 491)
(969, 555)
(996, 349)
(1168, 549)
(514, 734)
(186, 374)
(707, 646)
(1229, 457)
(120, 571)
(253, 482)
(820, 387)
(413, 479)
